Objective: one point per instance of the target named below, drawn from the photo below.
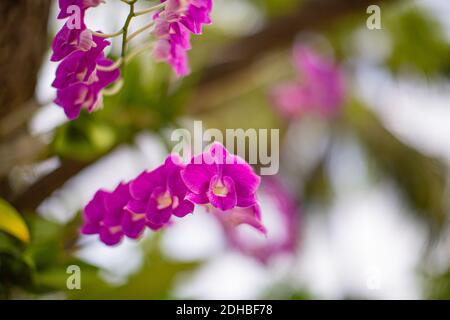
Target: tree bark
(23, 43)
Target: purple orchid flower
(197, 14)
(279, 209)
(108, 214)
(86, 95)
(172, 44)
(104, 213)
(64, 6)
(70, 40)
(172, 27)
(221, 179)
(160, 193)
(240, 216)
(319, 89)
(80, 65)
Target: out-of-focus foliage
(277, 7)
(153, 281)
(146, 102)
(418, 43)
(410, 169)
(438, 287)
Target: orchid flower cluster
(84, 72)
(319, 87)
(217, 179)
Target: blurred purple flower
(172, 27)
(160, 193)
(282, 235)
(237, 216)
(221, 179)
(319, 88)
(197, 14)
(172, 44)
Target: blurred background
(359, 208)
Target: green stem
(151, 9)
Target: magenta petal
(176, 185)
(133, 225)
(238, 216)
(109, 236)
(197, 198)
(245, 179)
(290, 100)
(197, 177)
(95, 209)
(219, 152)
(116, 200)
(76, 68)
(64, 5)
(184, 208)
(143, 185)
(222, 202)
(90, 228)
(115, 203)
(65, 42)
(73, 98)
(246, 201)
(157, 216)
(154, 226)
(136, 206)
(254, 219)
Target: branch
(282, 32)
(39, 191)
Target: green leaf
(84, 139)
(11, 222)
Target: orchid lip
(138, 216)
(164, 201)
(176, 202)
(115, 229)
(220, 189)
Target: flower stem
(131, 14)
(107, 35)
(112, 67)
(139, 31)
(151, 9)
(114, 89)
(138, 51)
(124, 57)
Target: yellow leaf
(11, 222)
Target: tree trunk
(23, 43)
